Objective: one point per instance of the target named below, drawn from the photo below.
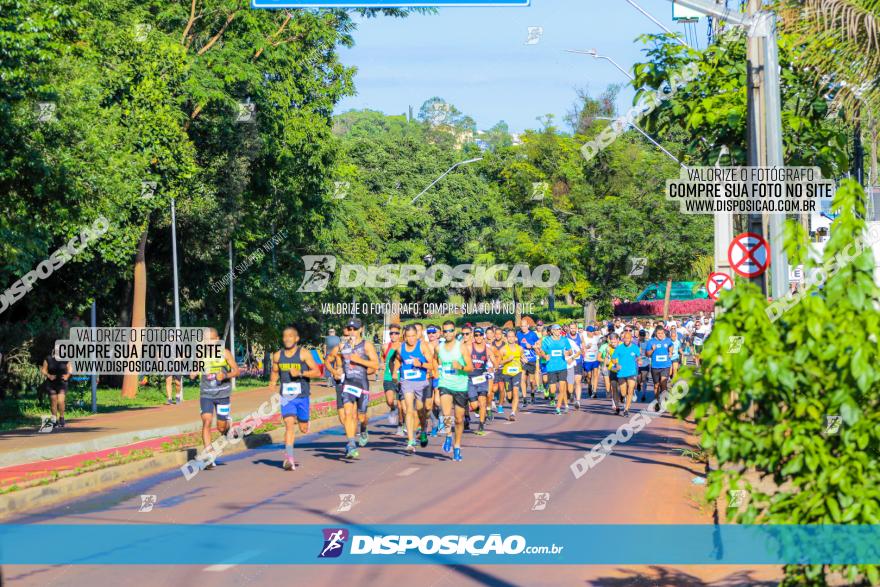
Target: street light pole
(174, 264)
(595, 54)
(646, 135)
(231, 310)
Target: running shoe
(481, 431)
(288, 464)
(400, 431)
(456, 455)
(500, 409)
(617, 411)
(511, 417)
(364, 439)
(434, 431)
(411, 447)
(546, 392)
(577, 405)
(60, 423)
(447, 444)
(490, 415)
(210, 465)
(558, 411)
(355, 454)
(392, 418)
(423, 439)
(625, 413)
(169, 402)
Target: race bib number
(556, 353)
(211, 377)
(591, 356)
(352, 390)
(222, 409)
(662, 358)
(490, 375)
(411, 374)
(698, 340)
(291, 389)
(478, 379)
(449, 371)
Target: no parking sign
(718, 282)
(749, 254)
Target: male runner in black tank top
(293, 367)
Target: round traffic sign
(749, 254)
(718, 282)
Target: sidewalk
(26, 455)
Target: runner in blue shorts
(292, 368)
(478, 385)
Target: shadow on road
(666, 577)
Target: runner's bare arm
(273, 374)
(234, 371)
(44, 369)
(466, 354)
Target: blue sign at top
(382, 3)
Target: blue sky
(477, 59)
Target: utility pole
(757, 156)
(765, 119)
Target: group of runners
(444, 380)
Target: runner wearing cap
(612, 385)
(454, 360)
(413, 363)
(575, 364)
(432, 403)
(359, 358)
(390, 382)
(478, 384)
(291, 370)
(556, 349)
(497, 360)
(528, 339)
(702, 329)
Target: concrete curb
(68, 488)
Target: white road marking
(233, 562)
(408, 472)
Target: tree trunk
(666, 299)
(138, 308)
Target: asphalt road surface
(645, 481)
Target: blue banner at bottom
(478, 544)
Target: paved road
(644, 481)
